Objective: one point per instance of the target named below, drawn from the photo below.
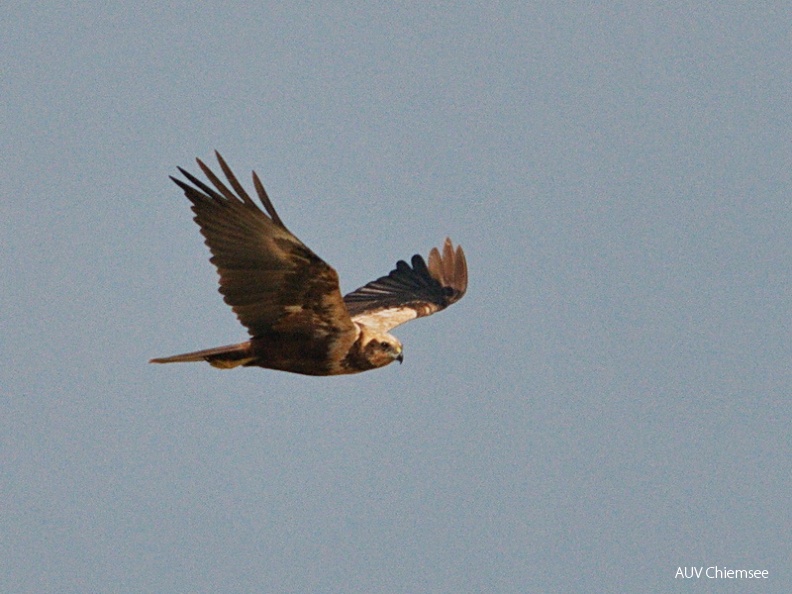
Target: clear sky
(609, 402)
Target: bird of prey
(289, 299)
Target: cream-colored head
(379, 349)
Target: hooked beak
(400, 358)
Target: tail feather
(224, 357)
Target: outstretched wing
(411, 292)
(271, 280)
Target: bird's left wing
(410, 292)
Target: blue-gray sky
(609, 402)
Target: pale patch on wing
(384, 320)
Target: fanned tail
(224, 357)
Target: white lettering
(688, 572)
(715, 572)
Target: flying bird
(289, 299)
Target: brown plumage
(289, 299)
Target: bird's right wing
(272, 281)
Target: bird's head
(382, 349)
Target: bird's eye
(385, 346)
